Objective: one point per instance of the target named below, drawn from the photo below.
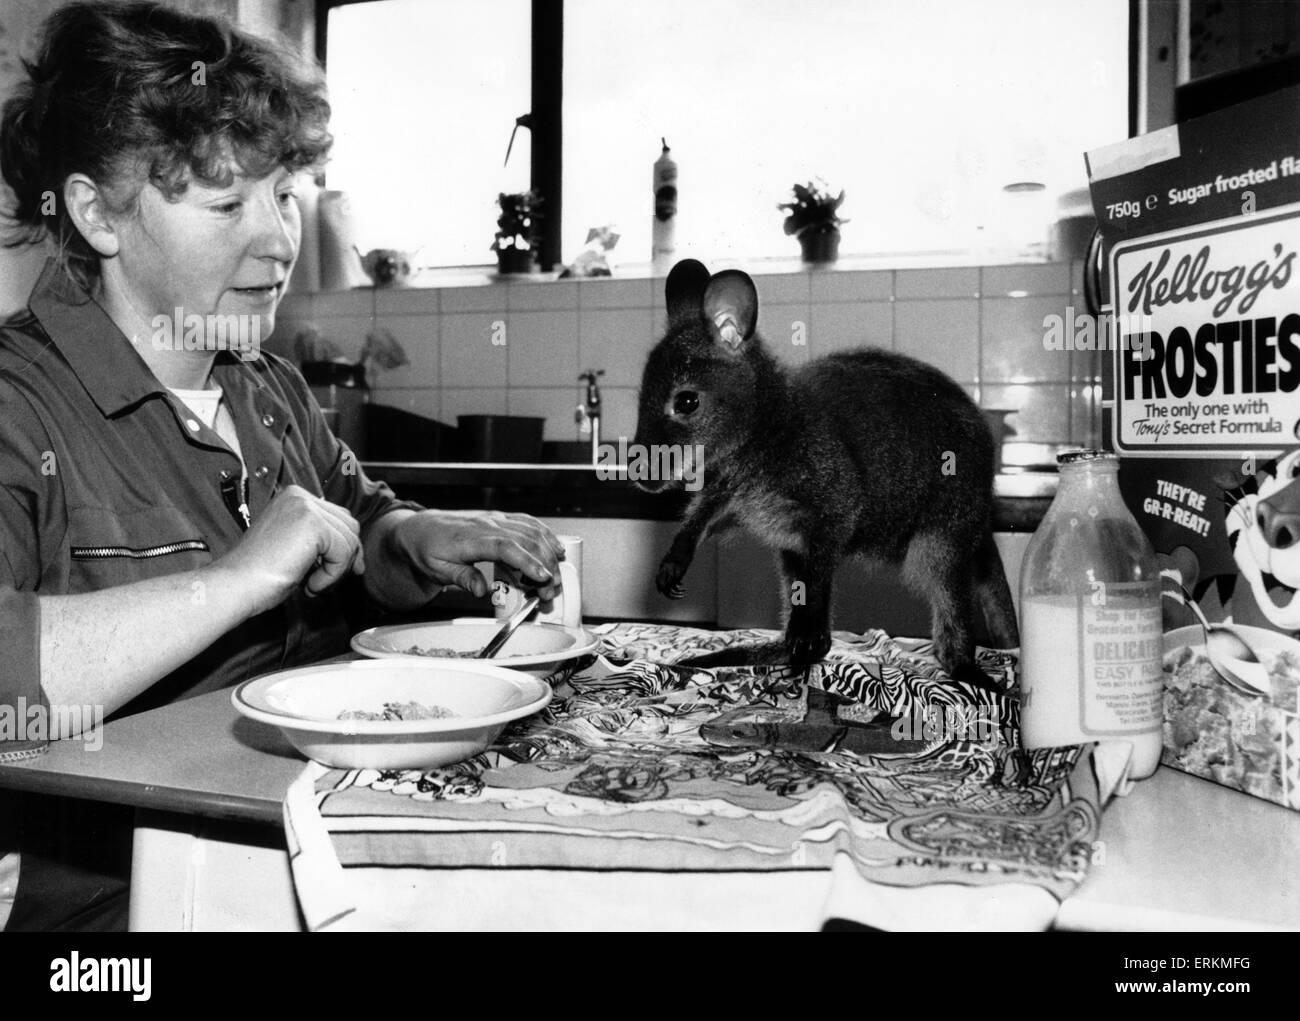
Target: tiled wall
(517, 347)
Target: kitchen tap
(587, 414)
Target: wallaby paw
(803, 649)
(669, 579)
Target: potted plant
(517, 231)
(814, 221)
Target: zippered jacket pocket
(110, 546)
(146, 553)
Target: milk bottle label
(1120, 648)
(1091, 666)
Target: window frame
(546, 172)
(546, 118)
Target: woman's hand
(443, 546)
(299, 536)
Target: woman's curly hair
(117, 90)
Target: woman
(177, 517)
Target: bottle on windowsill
(663, 228)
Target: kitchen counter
(1177, 853)
(577, 490)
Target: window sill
(435, 278)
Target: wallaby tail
(993, 595)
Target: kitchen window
(424, 93)
(924, 111)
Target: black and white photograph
(706, 466)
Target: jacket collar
(104, 360)
(114, 375)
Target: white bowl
(305, 704)
(537, 649)
(1259, 638)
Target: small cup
(508, 594)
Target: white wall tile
(1025, 279)
(618, 413)
(845, 326)
(426, 401)
(612, 292)
(1013, 348)
(944, 333)
(296, 305)
(418, 336)
(782, 288)
(486, 298)
(468, 356)
(659, 301)
(1076, 279)
(533, 296)
(961, 282)
(329, 304)
(471, 401)
(408, 301)
(617, 341)
(851, 285)
(542, 348)
(347, 333)
(786, 329)
(287, 326)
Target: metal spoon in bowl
(1229, 652)
(509, 628)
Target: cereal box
(1201, 223)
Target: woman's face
(212, 250)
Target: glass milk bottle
(1090, 620)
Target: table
(209, 853)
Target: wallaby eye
(685, 402)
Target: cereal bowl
(418, 713)
(538, 649)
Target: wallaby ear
(684, 290)
(731, 307)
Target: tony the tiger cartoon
(1263, 526)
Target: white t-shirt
(212, 410)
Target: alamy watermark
(661, 462)
(77, 974)
(237, 332)
(38, 722)
(1083, 331)
(951, 723)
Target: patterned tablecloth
(901, 797)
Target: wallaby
(867, 452)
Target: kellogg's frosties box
(1201, 223)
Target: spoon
(1229, 652)
(509, 628)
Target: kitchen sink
(1028, 485)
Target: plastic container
(393, 434)
(1090, 620)
(340, 388)
(504, 439)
